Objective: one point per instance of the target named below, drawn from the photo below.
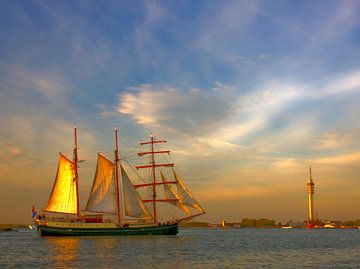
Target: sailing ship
(131, 213)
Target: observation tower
(310, 191)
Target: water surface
(192, 248)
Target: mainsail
(134, 206)
(171, 195)
(63, 196)
(185, 195)
(102, 197)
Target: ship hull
(167, 229)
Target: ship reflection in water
(64, 251)
(192, 248)
(104, 252)
(67, 252)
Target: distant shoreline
(12, 226)
(6, 227)
(207, 225)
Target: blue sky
(246, 92)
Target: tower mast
(117, 174)
(154, 176)
(76, 160)
(153, 165)
(311, 191)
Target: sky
(246, 93)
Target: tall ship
(117, 206)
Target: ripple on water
(192, 248)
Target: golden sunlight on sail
(171, 194)
(63, 196)
(185, 195)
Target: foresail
(185, 195)
(102, 197)
(134, 206)
(171, 194)
(63, 195)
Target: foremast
(153, 165)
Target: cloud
(240, 130)
(45, 84)
(259, 111)
(296, 164)
(330, 140)
(256, 110)
(342, 84)
(288, 163)
(189, 112)
(227, 22)
(344, 18)
(215, 123)
(339, 159)
(227, 194)
(224, 119)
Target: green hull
(169, 229)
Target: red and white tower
(310, 191)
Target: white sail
(134, 206)
(186, 196)
(63, 198)
(102, 197)
(171, 194)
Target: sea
(191, 248)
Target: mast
(76, 160)
(117, 174)
(154, 175)
(153, 165)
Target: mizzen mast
(153, 165)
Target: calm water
(192, 248)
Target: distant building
(333, 224)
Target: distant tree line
(352, 223)
(257, 222)
(194, 224)
(263, 222)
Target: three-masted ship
(62, 215)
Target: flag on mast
(33, 212)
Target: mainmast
(117, 174)
(76, 160)
(153, 165)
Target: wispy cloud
(330, 140)
(228, 194)
(340, 85)
(45, 84)
(227, 23)
(340, 159)
(298, 164)
(342, 20)
(190, 112)
(224, 118)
